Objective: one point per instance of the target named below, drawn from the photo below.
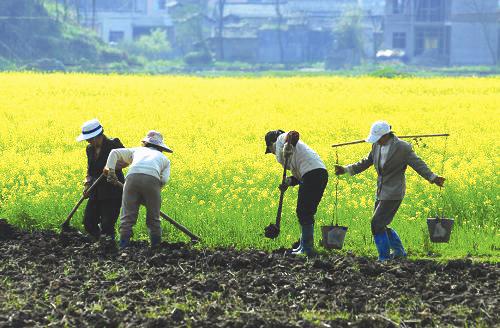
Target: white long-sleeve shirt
(142, 160)
(303, 160)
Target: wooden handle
(400, 137)
(92, 187)
(171, 221)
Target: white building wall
(470, 44)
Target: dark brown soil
(49, 280)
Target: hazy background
(342, 37)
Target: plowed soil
(49, 280)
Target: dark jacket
(104, 190)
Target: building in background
(444, 32)
(286, 31)
(126, 20)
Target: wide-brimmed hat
(155, 138)
(271, 138)
(90, 129)
(377, 131)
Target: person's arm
(122, 155)
(117, 144)
(420, 166)
(165, 174)
(360, 166)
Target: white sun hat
(155, 138)
(378, 129)
(90, 129)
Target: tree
(349, 31)
(220, 27)
(485, 21)
(279, 21)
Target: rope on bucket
(441, 194)
(335, 212)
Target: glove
(287, 150)
(85, 189)
(292, 137)
(111, 177)
(289, 182)
(339, 169)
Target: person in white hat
(104, 202)
(390, 156)
(149, 171)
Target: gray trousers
(383, 213)
(140, 189)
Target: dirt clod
(48, 279)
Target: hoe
(65, 227)
(272, 231)
(194, 238)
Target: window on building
(429, 10)
(432, 40)
(162, 4)
(116, 36)
(399, 40)
(397, 6)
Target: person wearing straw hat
(390, 156)
(149, 171)
(309, 172)
(104, 202)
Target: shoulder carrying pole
(400, 137)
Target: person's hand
(292, 137)
(283, 187)
(86, 189)
(339, 169)
(439, 181)
(111, 175)
(287, 150)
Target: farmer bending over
(390, 156)
(309, 172)
(103, 206)
(149, 171)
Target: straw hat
(90, 129)
(155, 138)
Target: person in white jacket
(149, 171)
(308, 171)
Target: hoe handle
(173, 222)
(92, 187)
(400, 137)
(282, 195)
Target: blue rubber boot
(306, 240)
(383, 246)
(155, 241)
(395, 243)
(124, 242)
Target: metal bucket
(440, 229)
(333, 236)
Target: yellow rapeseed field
(223, 187)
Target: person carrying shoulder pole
(309, 172)
(149, 171)
(104, 202)
(390, 156)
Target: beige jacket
(391, 181)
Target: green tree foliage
(26, 29)
(349, 31)
(154, 46)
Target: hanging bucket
(333, 236)
(439, 229)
